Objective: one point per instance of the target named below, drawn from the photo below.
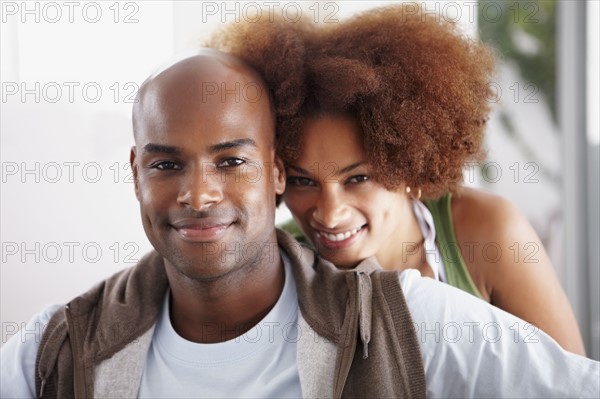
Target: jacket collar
(132, 300)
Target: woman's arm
(509, 265)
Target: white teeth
(331, 237)
(339, 236)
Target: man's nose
(331, 209)
(201, 188)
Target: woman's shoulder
(489, 230)
(510, 266)
(480, 216)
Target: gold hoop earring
(408, 190)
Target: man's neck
(224, 308)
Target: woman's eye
(165, 165)
(358, 179)
(230, 163)
(299, 181)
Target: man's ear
(134, 170)
(279, 175)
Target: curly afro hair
(417, 86)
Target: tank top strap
(427, 226)
(456, 270)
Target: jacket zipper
(348, 352)
(78, 370)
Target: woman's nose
(331, 210)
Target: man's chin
(207, 269)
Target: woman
(376, 118)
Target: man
(227, 307)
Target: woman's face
(347, 215)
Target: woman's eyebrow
(345, 169)
(351, 167)
(298, 169)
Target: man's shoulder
(109, 316)
(148, 272)
(129, 300)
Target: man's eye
(299, 181)
(358, 179)
(230, 163)
(165, 165)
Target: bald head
(204, 164)
(210, 81)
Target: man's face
(205, 168)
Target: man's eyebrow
(226, 145)
(345, 169)
(165, 149)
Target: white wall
(76, 146)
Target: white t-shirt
(260, 363)
(469, 348)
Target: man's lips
(201, 229)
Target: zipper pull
(42, 387)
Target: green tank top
(457, 274)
